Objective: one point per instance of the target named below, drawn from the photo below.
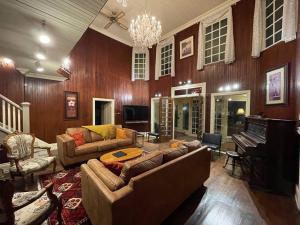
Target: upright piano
(269, 149)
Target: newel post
(26, 116)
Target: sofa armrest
(103, 206)
(65, 145)
(131, 134)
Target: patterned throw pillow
(121, 134)
(115, 167)
(78, 138)
(176, 144)
(192, 145)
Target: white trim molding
(212, 104)
(152, 113)
(113, 36)
(112, 101)
(46, 77)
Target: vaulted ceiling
(171, 13)
(20, 27)
(67, 20)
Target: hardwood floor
(228, 200)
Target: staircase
(14, 117)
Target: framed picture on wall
(71, 105)
(277, 86)
(187, 47)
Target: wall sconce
(157, 95)
(229, 87)
(6, 63)
(185, 82)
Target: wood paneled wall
(247, 71)
(101, 68)
(12, 84)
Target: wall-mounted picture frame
(277, 86)
(187, 47)
(71, 105)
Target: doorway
(103, 111)
(228, 112)
(155, 115)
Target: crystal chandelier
(123, 2)
(145, 31)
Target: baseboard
(297, 197)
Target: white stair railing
(14, 117)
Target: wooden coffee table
(129, 153)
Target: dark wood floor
(226, 200)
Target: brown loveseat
(148, 198)
(94, 147)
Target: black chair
(213, 141)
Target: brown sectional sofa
(148, 198)
(94, 147)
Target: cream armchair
(20, 148)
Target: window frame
(169, 57)
(137, 52)
(137, 75)
(219, 37)
(265, 6)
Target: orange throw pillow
(78, 138)
(176, 144)
(115, 167)
(121, 134)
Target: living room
(222, 75)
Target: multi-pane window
(274, 14)
(215, 41)
(139, 66)
(166, 59)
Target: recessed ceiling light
(40, 56)
(44, 39)
(40, 69)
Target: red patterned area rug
(67, 185)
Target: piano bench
(235, 158)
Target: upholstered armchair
(20, 148)
(27, 208)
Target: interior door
(165, 119)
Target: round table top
(125, 154)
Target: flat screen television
(135, 113)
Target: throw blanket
(106, 131)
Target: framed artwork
(187, 47)
(276, 86)
(71, 105)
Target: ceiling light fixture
(40, 56)
(124, 3)
(44, 39)
(39, 68)
(145, 30)
(6, 62)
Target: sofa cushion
(140, 165)
(84, 131)
(124, 142)
(96, 137)
(120, 133)
(107, 145)
(78, 138)
(175, 143)
(112, 181)
(173, 153)
(86, 148)
(192, 145)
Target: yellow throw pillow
(104, 130)
(121, 134)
